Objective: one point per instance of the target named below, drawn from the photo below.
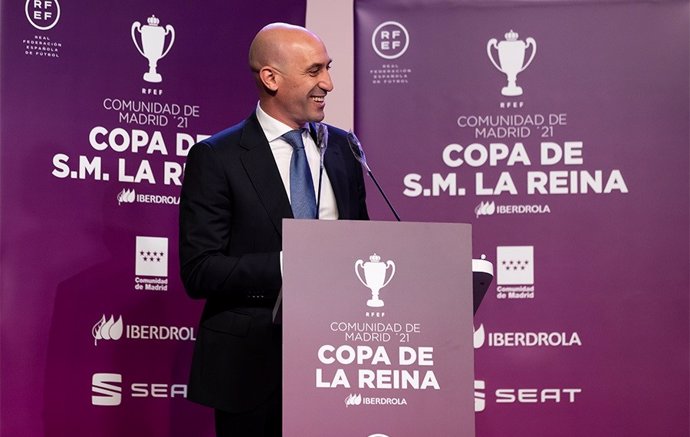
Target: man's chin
(319, 116)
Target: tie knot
(294, 138)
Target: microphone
(322, 144)
(357, 150)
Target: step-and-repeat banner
(100, 103)
(559, 130)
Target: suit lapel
(334, 165)
(263, 173)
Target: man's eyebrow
(320, 65)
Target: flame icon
(479, 337)
(107, 329)
(485, 208)
(353, 399)
(126, 196)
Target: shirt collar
(273, 129)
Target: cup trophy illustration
(375, 277)
(152, 43)
(511, 57)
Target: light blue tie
(302, 198)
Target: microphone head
(321, 136)
(356, 148)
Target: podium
(377, 329)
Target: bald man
(236, 192)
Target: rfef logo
(42, 14)
(390, 40)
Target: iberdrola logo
(107, 329)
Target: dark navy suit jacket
(231, 210)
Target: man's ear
(269, 78)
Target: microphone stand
(357, 150)
(322, 144)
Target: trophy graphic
(511, 57)
(375, 277)
(152, 39)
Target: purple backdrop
(575, 179)
(96, 331)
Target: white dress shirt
(282, 153)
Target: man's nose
(326, 82)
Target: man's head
(291, 66)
